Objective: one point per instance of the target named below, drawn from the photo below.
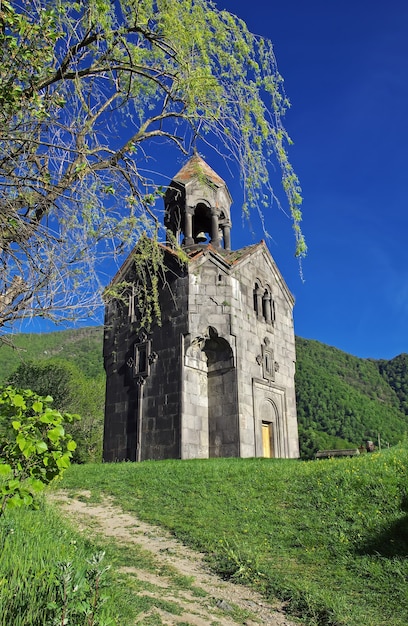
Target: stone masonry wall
(255, 337)
(222, 298)
(121, 392)
(217, 369)
(210, 406)
(162, 403)
(158, 430)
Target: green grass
(38, 553)
(328, 537)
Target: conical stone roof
(196, 166)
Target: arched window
(264, 305)
(257, 296)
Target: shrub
(35, 448)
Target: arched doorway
(269, 423)
(267, 440)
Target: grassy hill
(342, 400)
(67, 365)
(329, 538)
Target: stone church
(216, 379)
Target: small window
(263, 303)
(132, 306)
(257, 296)
(141, 358)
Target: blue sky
(345, 66)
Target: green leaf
(37, 406)
(15, 502)
(36, 486)
(13, 484)
(41, 447)
(56, 433)
(47, 417)
(63, 462)
(5, 469)
(18, 400)
(27, 499)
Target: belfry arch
(202, 226)
(197, 207)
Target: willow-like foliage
(87, 90)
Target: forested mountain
(395, 373)
(342, 400)
(83, 347)
(68, 366)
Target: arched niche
(212, 357)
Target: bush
(35, 448)
(72, 392)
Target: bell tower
(197, 207)
(216, 377)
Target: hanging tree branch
(85, 87)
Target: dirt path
(207, 601)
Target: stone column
(227, 236)
(215, 239)
(188, 226)
(267, 307)
(140, 383)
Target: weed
(150, 620)
(232, 563)
(79, 598)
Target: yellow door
(266, 440)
